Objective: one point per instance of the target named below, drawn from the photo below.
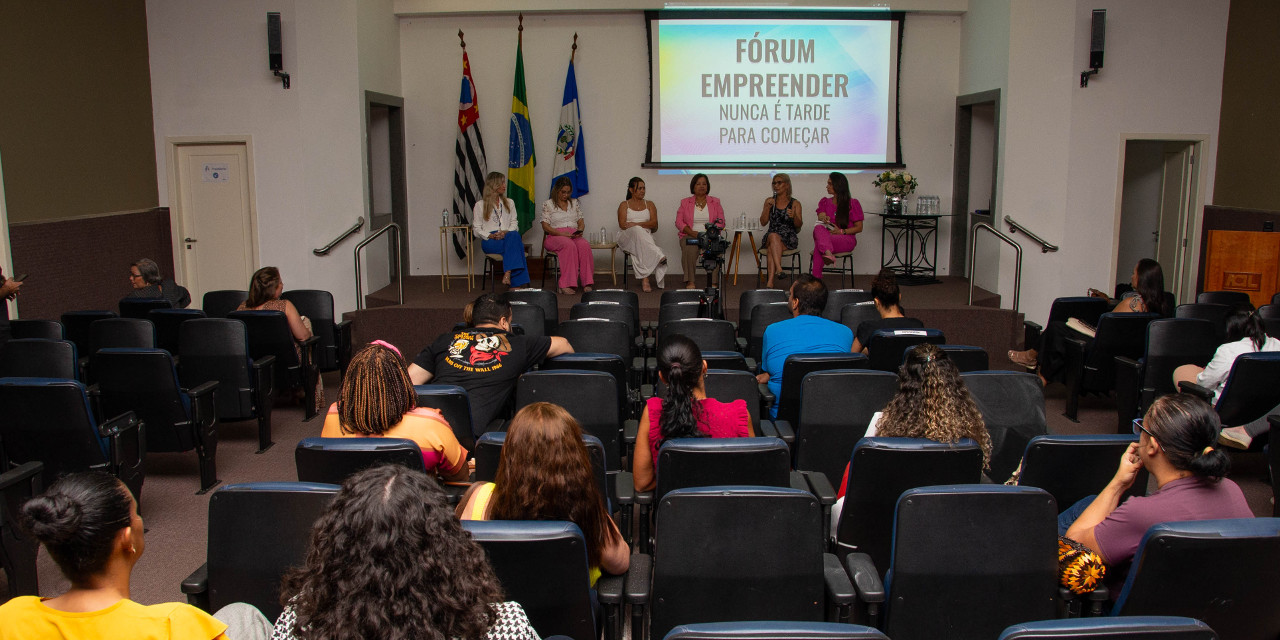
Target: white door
(1175, 204)
(218, 247)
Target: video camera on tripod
(711, 245)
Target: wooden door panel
(1243, 261)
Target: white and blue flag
(571, 152)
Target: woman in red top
(687, 411)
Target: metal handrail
(322, 251)
(1045, 247)
(1017, 274)
(399, 269)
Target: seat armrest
(203, 389)
(625, 487)
(609, 589)
(629, 429)
(820, 486)
(766, 394)
(752, 366)
(196, 586)
(1031, 333)
(118, 425)
(1195, 390)
(643, 497)
(264, 369)
(646, 392)
(1032, 325)
(1128, 396)
(865, 577)
(742, 344)
(839, 588)
(22, 473)
(785, 431)
(649, 344)
(767, 429)
(1274, 420)
(639, 580)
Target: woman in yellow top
(378, 401)
(544, 450)
(89, 524)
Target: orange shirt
(441, 452)
(28, 618)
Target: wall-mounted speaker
(275, 52)
(1097, 36)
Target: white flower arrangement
(895, 183)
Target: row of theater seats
(141, 398)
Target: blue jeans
(1068, 517)
(511, 246)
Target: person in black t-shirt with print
(485, 358)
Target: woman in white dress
(638, 219)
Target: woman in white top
(495, 223)
(562, 223)
(638, 219)
(1245, 334)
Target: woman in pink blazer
(695, 212)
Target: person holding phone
(495, 222)
(562, 223)
(8, 290)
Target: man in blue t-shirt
(805, 332)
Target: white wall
(209, 77)
(613, 80)
(1061, 144)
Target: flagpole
(574, 51)
(520, 30)
(464, 42)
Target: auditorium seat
(1012, 407)
(1071, 467)
(454, 404)
(542, 565)
(776, 572)
(799, 365)
(887, 347)
(168, 323)
(38, 358)
(543, 299)
(1220, 571)
(43, 329)
(49, 421)
(1117, 628)
(1091, 364)
(1249, 394)
(217, 304)
(257, 531)
(708, 334)
(838, 298)
(967, 562)
(18, 548)
(747, 302)
(579, 392)
(1085, 308)
(269, 335)
(140, 307)
(835, 408)
(332, 460)
(145, 381)
(1170, 343)
(217, 349)
(1229, 298)
(763, 315)
(882, 469)
(333, 351)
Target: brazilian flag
(520, 162)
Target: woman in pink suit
(695, 212)
(562, 223)
(839, 223)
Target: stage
(427, 311)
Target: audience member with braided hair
(1245, 334)
(1176, 446)
(545, 473)
(686, 412)
(888, 300)
(388, 560)
(89, 524)
(377, 400)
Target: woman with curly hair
(388, 560)
(378, 401)
(544, 473)
(933, 403)
(686, 412)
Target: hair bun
(53, 518)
